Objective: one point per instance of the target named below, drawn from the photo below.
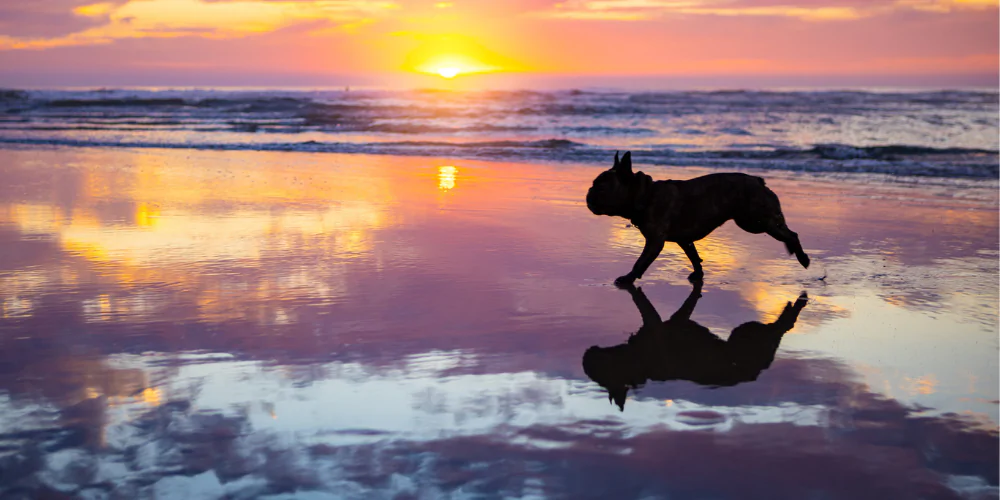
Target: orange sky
(390, 42)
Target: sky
(493, 43)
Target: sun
(449, 66)
(448, 71)
(450, 56)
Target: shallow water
(178, 323)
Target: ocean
(941, 134)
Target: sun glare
(450, 56)
(448, 71)
(451, 65)
(446, 177)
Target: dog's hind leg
(763, 214)
(692, 254)
(779, 231)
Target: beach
(185, 321)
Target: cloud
(635, 10)
(52, 18)
(945, 6)
(804, 13)
(175, 18)
(638, 10)
(95, 9)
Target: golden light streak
(945, 6)
(637, 10)
(146, 215)
(641, 10)
(151, 396)
(803, 13)
(446, 177)
(94, 10)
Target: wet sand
(256, 324)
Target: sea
(939, 134)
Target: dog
(681, 349)
(686, 211)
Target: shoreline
(596, 159)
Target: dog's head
(614, 368)
(617, 191)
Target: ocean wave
(107, 103)
(892, 152)
(941, 133)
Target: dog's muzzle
(590, 202)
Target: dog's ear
(624, 167)
(615, 166)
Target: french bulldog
(686, 211)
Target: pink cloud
(890, 39)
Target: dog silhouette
(682, 349)
(687, 211)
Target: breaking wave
(945, 134)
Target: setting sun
(449, 65)
(449, 56)
(448, 71)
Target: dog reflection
(681, 349)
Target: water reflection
(682, 349)
(249, 429)
(446, 177)
(268, 324)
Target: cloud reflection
(260, 436)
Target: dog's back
(723, 191)
(690, 210)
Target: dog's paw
(801, 301)
(696, 277)
(624, 281)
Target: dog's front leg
(649, 253)
(649, 315)
(684, 313)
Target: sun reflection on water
(446, 177)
